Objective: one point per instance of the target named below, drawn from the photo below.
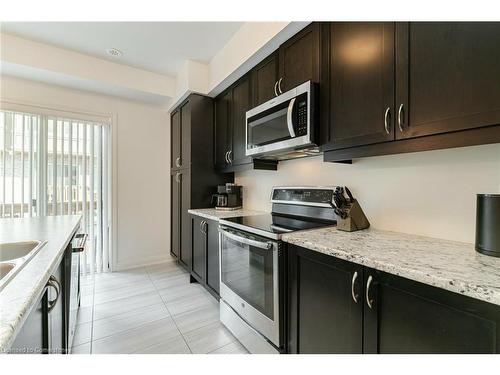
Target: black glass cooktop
(277, 224)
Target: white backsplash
(428, 193)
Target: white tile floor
(150, 310)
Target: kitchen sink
(14, 256)
(5, 268)
(15, 250)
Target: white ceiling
(160, 47)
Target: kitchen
(326, 188)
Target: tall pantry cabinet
(192, 170)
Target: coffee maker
(228, 197)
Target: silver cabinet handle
(229, 156)
(178, 162)
(80, 246)
(289, 120)
(201, 225)
(353, 281)
(177, 179)
(54, 283)
(368, 284)
(279, 85)
(400, 117)
(205, 227)
(386, 117)
(226, 157)
(275, 86)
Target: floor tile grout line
(173, 320)
(126, 330)
(203, 326)
(130, 329)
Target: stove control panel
(306, 196)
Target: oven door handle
(289, 120)
(246, 240)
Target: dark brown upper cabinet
(299, 58)
(265, 79)
(435, 85)
(180, 156)
(296, 61)
(448, 77)
(223, 129)
(242, 102)
(175, 154)
(230, 129)
(361, 83)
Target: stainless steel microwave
(285, 126)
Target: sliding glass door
(58, 166)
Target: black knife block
(356, 219)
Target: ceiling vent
(114, 52)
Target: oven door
(249, 279)
(282, 123)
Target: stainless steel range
(252, 264)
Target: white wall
(142, 160)
(428, 193)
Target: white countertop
(213, 214)
(20, 294)
(449, 265)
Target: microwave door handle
(247, 241)
(289, 120)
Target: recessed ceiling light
(114, 52)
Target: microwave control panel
(301, 128)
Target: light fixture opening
(114, 52)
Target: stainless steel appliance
(252, 263)
(228, 197)
(284, 127)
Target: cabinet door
(57, 312)
(299, 58)
(213, 277)
(185, 245)
(325, 308)
(412, 318)
(361, 83)
(448, 76)
(241, 103)
(264, 80)
(175, 124)
(223, 131)
(32, 338)
(185, 161)
(175, 218)
(199, 246)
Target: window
(51, 165)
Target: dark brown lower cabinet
(206, 253)
(331, 311)
(410, 317)
(324, 317)
(199, 247)
(45, 330)
(32, 338)
(213, 277)
(57, 314)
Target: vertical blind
(58, 166)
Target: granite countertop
(20, 294)
(213, 214)
(450, 265)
